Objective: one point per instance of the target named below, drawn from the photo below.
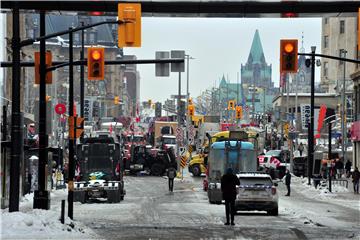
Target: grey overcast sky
(219, 46)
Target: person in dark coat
(348, 168)
(228, 189)
(356, 178)
(287, 181)
(171, 175)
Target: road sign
(191, 131)
(183, 161)
(60, 108)
(162, 69)
(178, 67)
(182, 151)
(176, 96)
(179, 134)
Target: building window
(342, 26)
(326, 69)
(326, 41)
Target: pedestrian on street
(171, 175)
(339, 166)
(348, 168)
(301, 149)
(356, 177)
(287, 181)
(228, 189)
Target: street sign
(178, 67)
(191, 131)
(60, 108)
(182, 151)
(179, 134)
(162, 69)
(305, 116)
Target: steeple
(256, 53)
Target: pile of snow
(31, 223)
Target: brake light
(273, 190)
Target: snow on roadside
(339, 195)
(31, 223)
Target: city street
(149, 211)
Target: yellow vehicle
(198, 162)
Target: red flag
(322, 114)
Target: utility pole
(311, 127)
(343, 109)
(71, 168)
(17, 143)
(178, 119)
(82, 81)
(42, 196)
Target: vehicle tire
(80, 196)
(274, 212)
(196, 171)
(157, 169)
(113, 196)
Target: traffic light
(238, 112)
(96, 63)
(288, 55)
(129, 31)
(48, 63)
(191, 110)
(231, 105)
(116, 100)
(269, 118)
(78, 127)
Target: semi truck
(99, 169)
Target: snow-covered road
(149, 211)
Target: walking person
(288, 182)
(356, 177)
(348, 168)
(171, 175)
(301, 149)
(228, 189)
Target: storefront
(355, 128)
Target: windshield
(274, 153)
(169, 140)
(257, 181)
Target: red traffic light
(288, 55)
(95, 55)
(96, 64)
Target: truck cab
(99, 169)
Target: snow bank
(31, 223)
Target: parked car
(257, 191)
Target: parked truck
(99, 170)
